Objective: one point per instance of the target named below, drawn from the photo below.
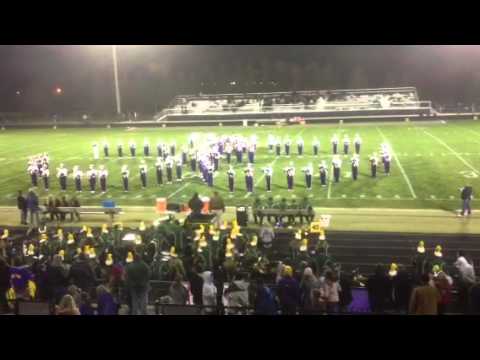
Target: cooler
(161, 205)
(206, 205)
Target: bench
(85, 210)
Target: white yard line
(441, 142)
(330, 180)
(399, 164)
(178, 190)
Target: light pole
(115, 73)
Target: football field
(431, 161)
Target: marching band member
(300, 145)
(268, 171)
(335, 143)
(373, 164)
(358, 143)
(323, 173)
(173, 147)
(249, 178)
(159, 170)
(143, 174)
(239, 152)
(146, 148)
(92, 178)
(133, 148)
(228, 151)
(105, 148)
(271, 142)
(46, 177)
(33, 171)
(103, 174)
(287, 144)
(308, 170)
(251, 153)
(62, 176)
(346, 144)
(169, 168)
(159, 148)
(290, 171)
(125, 174)
(120, 149)
(231, 179)
(316, 146)
(337, 164)
(216, 160)
(209, 173)
(179, 169)
(278, 146)
(77, 176)
(355, 165)
(193, 160)
(184, 155)
(386, 163)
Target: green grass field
(431, 162)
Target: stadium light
(115, 73)
(18, 92)
(58, 91)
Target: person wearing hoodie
(237, 295)
(288, 292)
(209, 293)
(264, 299)
(306, 286)
(56, 279)
(466, 280)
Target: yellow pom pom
(129, 257)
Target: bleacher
(312, 104)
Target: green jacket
(137, 275)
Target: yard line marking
(441, 142)
(344, 196)
(362, 196)
(399, 164)
(397, 197)
(452, 197)
(178, 190)
(379, 196)
(432, 197)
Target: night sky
(150, 76)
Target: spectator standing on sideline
(76, 204)
(425, 298)
(288, 292)
(217, 206)
(32, 208)
(22, 206)
(137, 283)
(466, 195)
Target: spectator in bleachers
(106, 304)
(466, 279)
(331, 292)
(378, 286)
(237, 294)
(475, 298)
(137, 284)
(443, 283)
(86, 307)
(402, 287)
(76, 293)
(346, 297)
(4, 284)
(209, 293)
(424, 299)
(81, 273)
(178, 292)
(56, 279)
(306, 287)
(219, 279)
(67, 306)
(264, 299)
(288, 292)
(196, 286)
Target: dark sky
(151, 75)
